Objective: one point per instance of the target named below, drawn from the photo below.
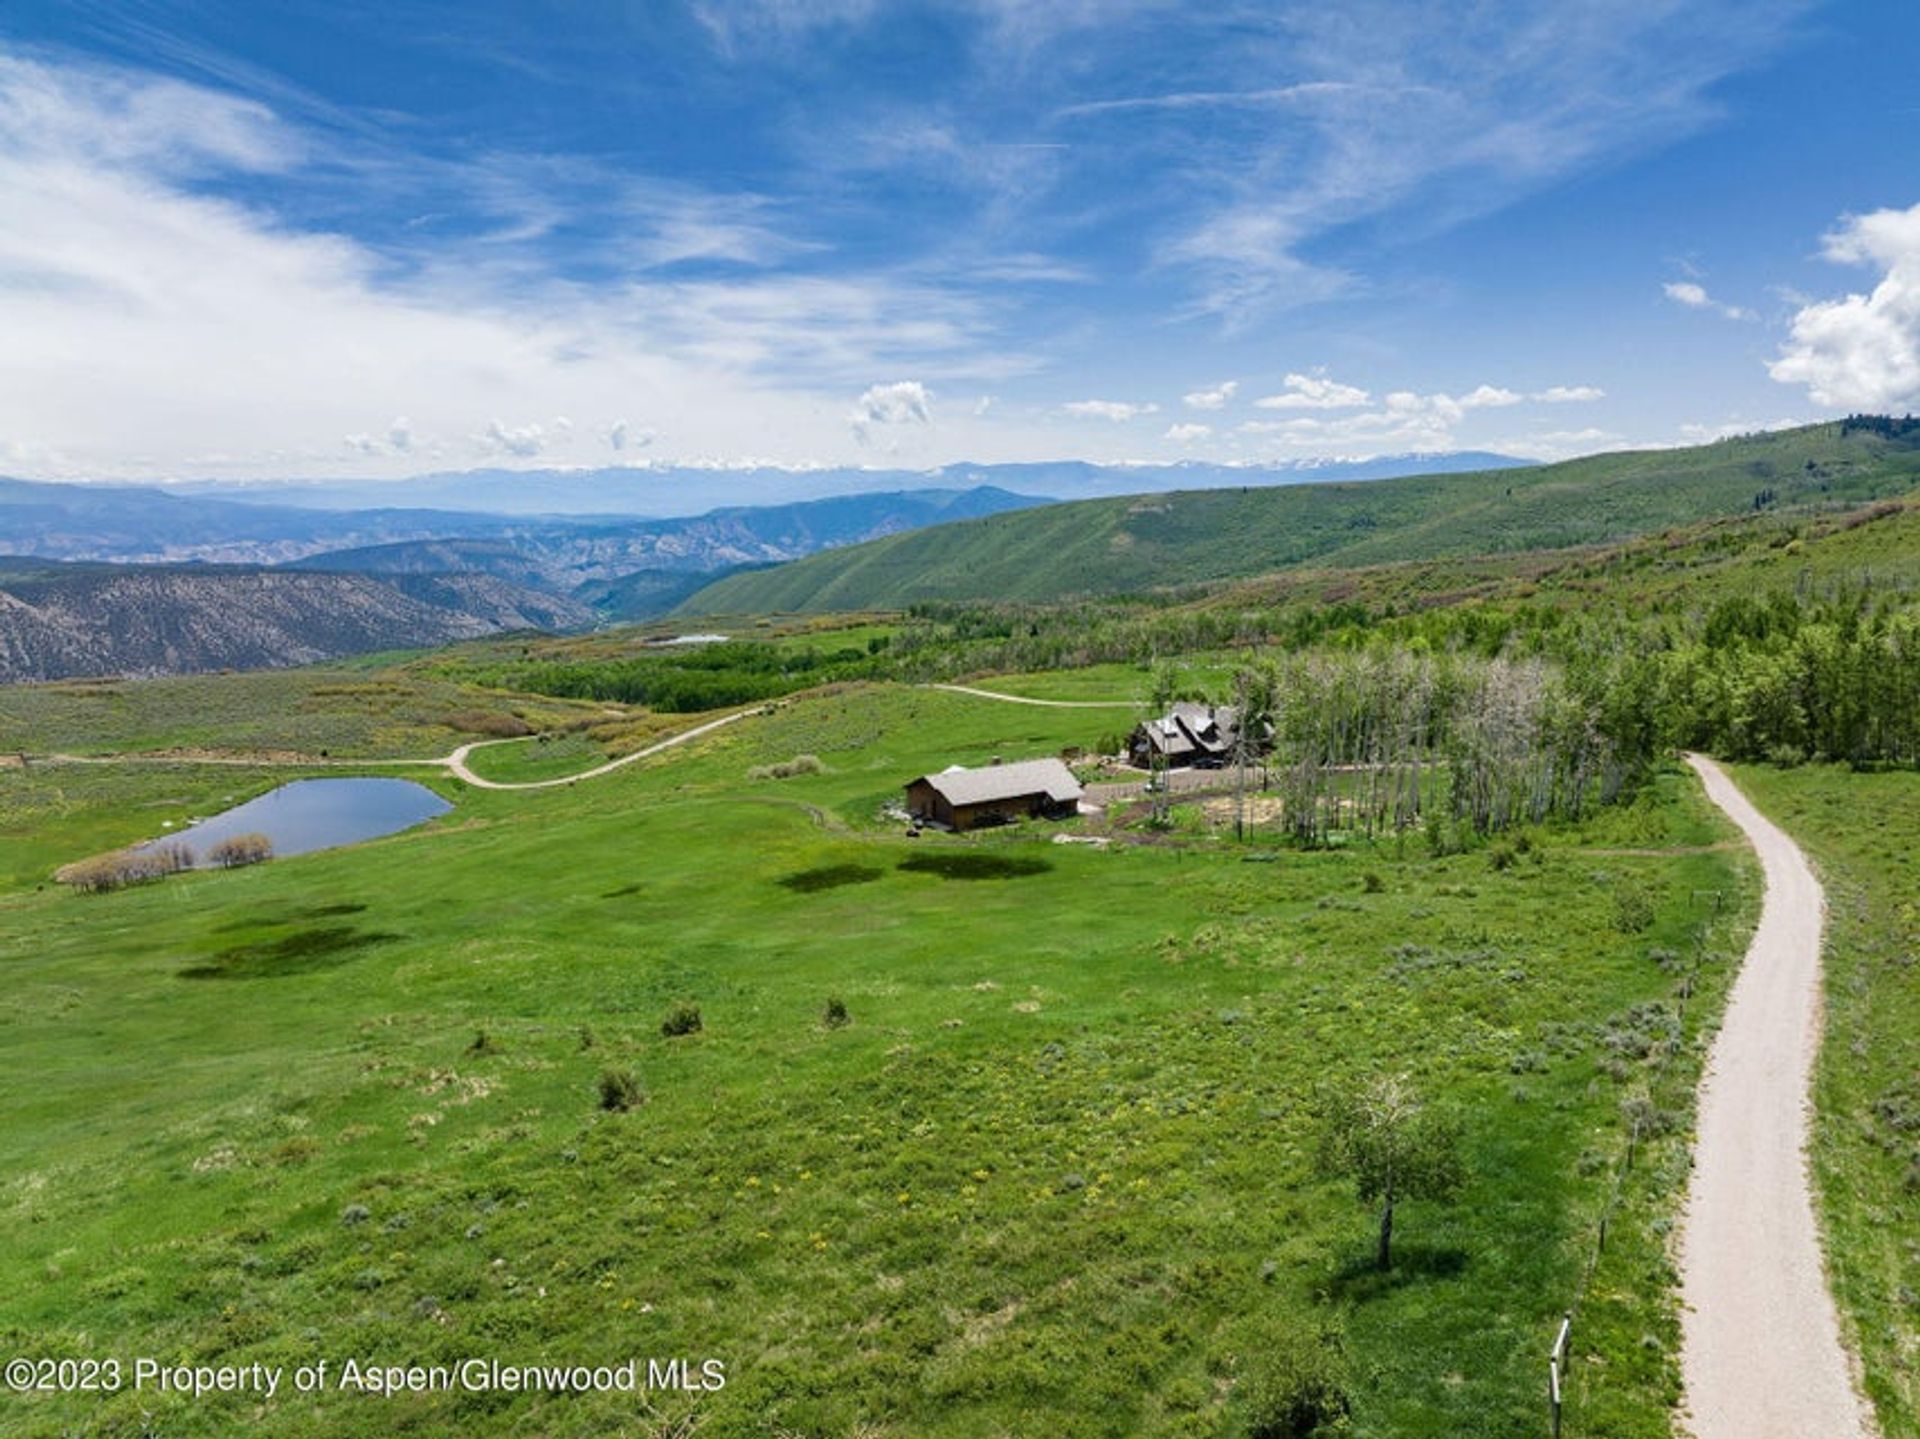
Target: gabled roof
(1189, 726)
(1006, 781)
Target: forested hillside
(1114, 546)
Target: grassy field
(1133, 683)
(1058, 1172)
(1862, 831)
(542, 757)
(337, 712)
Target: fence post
(1555, 1360)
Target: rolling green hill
(1143, 542)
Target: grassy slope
(1863, 831)
(1130, 544)
(338, 712)
(1684, 569)
(1056, 1175)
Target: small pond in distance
(311, 814)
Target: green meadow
(1057, 1172)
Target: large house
(960, 799)
(1189, 734)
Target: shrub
(620, 1091)
(171, 856)
(1371, 883)
(835, 1015)
(1501, 857)
(1633, 909)
(488, 722)
(106, 872)
(681, 1019)
(1299, 1392)
(788, 768)
(241, 849)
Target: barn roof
(1007, 781)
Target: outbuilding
(961, 799)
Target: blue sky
(356, 239)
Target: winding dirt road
(454, 763)
(980, 694)
(457, 761)
(1761, 1353)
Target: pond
(311, 814)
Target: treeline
(686, 680)
(1782, 679)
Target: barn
(962, 799)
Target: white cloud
(1863, 351)
(523, 441)
(1489, 397)
(1214, 399)
(400, 435)
(1558, 444)
(621, 435)
(1314, 392)
(1402, 420)
(1185, 434)
(1569, 394)
(1699, 434)
(1118, 411)
(903, 402)
(1695, 297)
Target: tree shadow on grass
(829, 876)
(289, 916)
(1361, 1279)
(974, 865)
(302, 952)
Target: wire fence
(1639, 1119)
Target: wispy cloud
(1208, 100)
(1118, 411)
(1407, 118)
(115, 244)
(1215, 398)
(1692, 295)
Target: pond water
(311, 814)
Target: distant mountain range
(574, 557)
(144, 525)
(678, 490)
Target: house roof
(1006, 781)
(1188, 727)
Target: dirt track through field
(980, 694)
(1761, 1353)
